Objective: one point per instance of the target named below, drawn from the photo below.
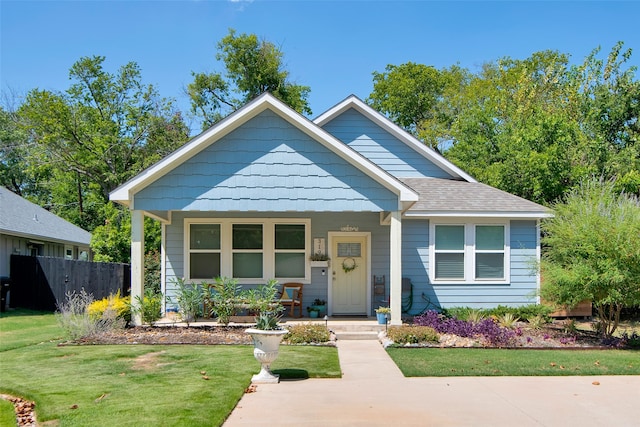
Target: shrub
(507, 320)
(74, 318)
(307, 333)
(537, 321)
(149, 306)
(487, 329)
(224, 295)
(412, 334)
(119, 305)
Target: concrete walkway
(373, 392)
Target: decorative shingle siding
(521, 290)
(373, 142)
(266, 165)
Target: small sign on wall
(319, 246)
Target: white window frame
(268, 247)
(469, 252)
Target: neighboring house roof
(443, 197)
(354, 102)
(20, 217)
(126, 192)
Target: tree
(252, 67)
(419, 98)
(592, 251)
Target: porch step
(362, 335)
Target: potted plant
(319, 260)
(382, 313)
(313, 311)
(267, 334)
(189, 299)
(320, 305)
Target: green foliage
(268, 321)
(75, 318)
(189, 299)
(508, 320)
(537, 321)
(592, 251)
(149, 306)
(521, 312)
(224, 298)
(307, 333)
(252, 67)
(409, 334)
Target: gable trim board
(125, 194)
(354, 102)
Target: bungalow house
(28, 229)
(261, 191)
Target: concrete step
(362, 335)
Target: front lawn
(443, 362)
(176, 385)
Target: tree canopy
(533, 127)
(592, 251)
(253, 67)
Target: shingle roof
(20, 217)
(444, 197)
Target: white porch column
(395, 269)
(137, 259)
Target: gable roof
(356, 103)
(20, 217)
(444, 197)
(125, 193)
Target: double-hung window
(469, 253)
(247, 249)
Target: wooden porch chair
(291, 296)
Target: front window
(248, 250)
(204, 251)
(469, 253)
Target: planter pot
(266, 345)
(314, 314)
(322, 309)
(319, 263)
(382, 318)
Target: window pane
(247, 265)
(450, 237)
(349, 250)
(489, 266)
(490, 237)
(290, 265)
(449, 266)
(204, 266)
(290, 236)
(205, 236)
(247, 236)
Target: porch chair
(291, 296)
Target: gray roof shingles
(443, 195)
(20, 217)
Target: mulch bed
(204, 335)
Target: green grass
(442, 362)
(7, 414)
(20, 328)
(128, 385)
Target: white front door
(349, 274)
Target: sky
(331, 46)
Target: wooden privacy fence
(40, 283)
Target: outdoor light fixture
(326, 321)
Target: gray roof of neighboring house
(450, 197)
(20, 217)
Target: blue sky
(331, 46)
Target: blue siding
(520, 291)
(266, 165)
(380, 147)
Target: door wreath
(348, 265)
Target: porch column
(395, 269)
(137, 260)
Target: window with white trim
(469, 253)
(247, 249)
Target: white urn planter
(266, 344)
